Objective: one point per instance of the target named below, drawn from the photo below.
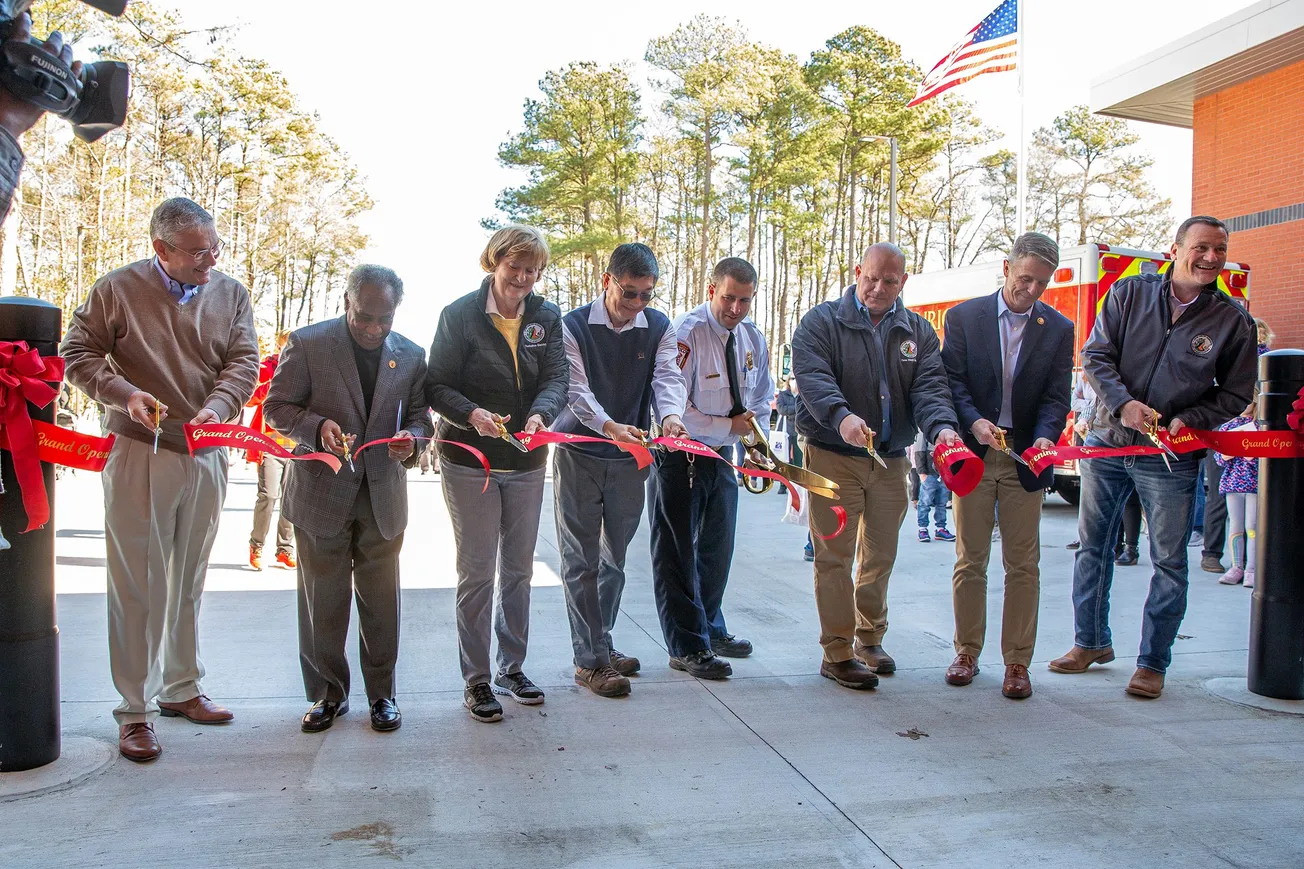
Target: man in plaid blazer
(340, 384)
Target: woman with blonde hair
(497, 367)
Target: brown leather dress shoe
(1146, 683)
(850, 674)
(1079, 659)
(199, 709)
(876, 659)
(962, 670)
(1017, 685)
(137, 742)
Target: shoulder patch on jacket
(681, 358)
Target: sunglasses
(631, 295)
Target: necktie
(731, 369)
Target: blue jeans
(932, 496)
(1169, 504)
(1199, 500)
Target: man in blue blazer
(1009, 358)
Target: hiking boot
(703, 665)
(1129, 557)
(519, 688)
(876, 659)
(285, 558)
(625, 665)
(730, 646)
(480, 700)
(603, 681)
(942, 534)
(255, 557)
(850, 674)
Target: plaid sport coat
(316, 380)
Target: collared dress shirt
(668, 392)
(878, 331)
(701, 354)
(1012, 327)
(181, 292)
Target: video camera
(94, 102)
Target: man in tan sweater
(162, 342)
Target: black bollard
(29, 637)
(1277, 607)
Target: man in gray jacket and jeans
(871, 372)
(1170, 350)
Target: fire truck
(1078, 289)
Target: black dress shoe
(322, 715)
(730, 646)
(385, 715)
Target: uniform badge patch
(684, 352)
(1201, 344)
(533, 333)
(909, 349)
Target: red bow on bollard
(26, 375)
(1295, 419)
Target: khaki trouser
(875, 501)
(999, 497)
(160, 520)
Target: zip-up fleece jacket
(837, 363)
(1200, 368)
(471, 366)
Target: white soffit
(1163, 85)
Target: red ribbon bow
(1295, 419)
(26, 375)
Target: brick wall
(1248, 156)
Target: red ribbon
(642, 457)
(1242, 444)
(63, 446)
(959, 467)
(484, 461)
(227, 435)
(26, 375)
(1295, 419)
(841, 513)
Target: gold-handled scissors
(505, 435)
(808, 480)
(1005, 448)
(1152, 432)
(158, 423)
(348, 450)
(873, 453)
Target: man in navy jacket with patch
(1009, 357)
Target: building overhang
(1162, 86)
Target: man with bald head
(871, 374)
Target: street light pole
(892, 184)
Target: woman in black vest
(497, 366)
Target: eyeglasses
(215, 251)
(630, 295)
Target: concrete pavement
(775, 767)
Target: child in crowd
(932, 494)
(1240, 483)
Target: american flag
(992, 46)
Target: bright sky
(421, 94)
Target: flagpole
(1022, 152)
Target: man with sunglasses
(622, 358)
(693, 505)
(162, 342)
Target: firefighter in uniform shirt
(693, 505)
